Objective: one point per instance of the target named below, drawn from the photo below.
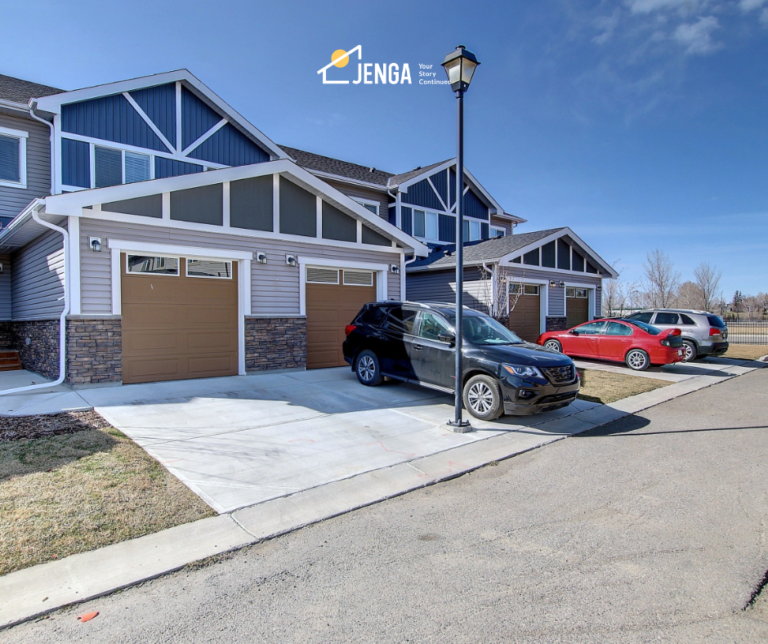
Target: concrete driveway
(244, 440)
(678, 372)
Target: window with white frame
(523, 289)
(576, 292)
(114, 167)
(13, 158)
(498, 231)
(373, 206)
(425, 224)
(472, 230)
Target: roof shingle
(20, 91)
(311, 161)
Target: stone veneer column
(557, 323)
(275, 343)
(94, 350)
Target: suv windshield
(645, 327)
(480, 329)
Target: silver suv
(704, 334)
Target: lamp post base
(462, 427)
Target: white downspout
(32, 108)
(64, 313)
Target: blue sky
(641, 124)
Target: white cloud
(764, 17)
(750, 5)
(608, 25)
(696, 37)
(683, 6)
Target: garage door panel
(525, 317)
(177, 327)
(577, 310)
(330, 307)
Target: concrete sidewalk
(41, 589)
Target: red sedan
(636, 343)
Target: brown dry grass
(606, 387)
(73, 492)
(746, 351)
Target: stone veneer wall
(557, 324)
(7, 338)
(41, 355)
(275, 343)
(94, 350)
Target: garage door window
(525, 289)
(322, 276)
(576, 292)
(358, 278)
(152, 265)
(209, 268)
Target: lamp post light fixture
(460, 66)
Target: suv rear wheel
(367, 368)
(482, 397)
(691, 353)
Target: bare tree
(661, 280)
(616, 293)
(689, 296)
(707, 279)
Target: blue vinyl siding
(406, 220)
(452, 185)
(446, 228)
(75, 163)
(440, 181)
(196, 118)
(484, 231)
(171, 168)
(111, 118)
(421, 194)
(159, 104)
(229, 146)
(392, 215)
(473, 207)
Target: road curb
(36, 591)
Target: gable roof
(337, 167)
(52, 104)
(478, 252)
(22, 229)
(404, 177)
(17, 90)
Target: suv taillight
(349, 328)
(715, 331)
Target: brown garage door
(525, 317)
(179, 318)
(334, 297)
(576, 306)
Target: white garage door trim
(381, 271)
(243, 259)
(591, 291)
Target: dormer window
(13, 158)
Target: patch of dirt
(27, 427)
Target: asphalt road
(650, 529)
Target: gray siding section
(203, 205)
(274, 286)
(440, 286)
(13, 200)
(150, 206)
(38, 279)
(6, 311)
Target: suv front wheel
(482, 397)
(367, 368)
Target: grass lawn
(70, 483)
(606, 387)
(746, 351)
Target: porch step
(10, 361)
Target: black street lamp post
(460, 66)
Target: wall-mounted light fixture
(394, 268)
(95, 244)
(261, 258)
(552, 284)
(562, 284)
(599, 288)
(291, 260)
(1, 268)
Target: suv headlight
(522, 370)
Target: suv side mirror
(447, 338)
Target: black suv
(415, 343)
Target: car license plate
(680, 352)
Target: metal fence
(747, 331)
